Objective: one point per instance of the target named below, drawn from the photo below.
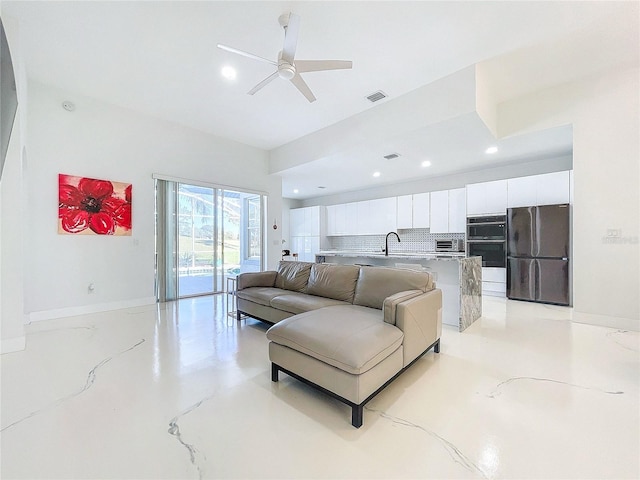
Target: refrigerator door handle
(536, 279)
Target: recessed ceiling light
(491, 150)
(376, 174)
(295, 190)
(426, 163)
(228, 72)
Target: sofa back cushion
(293, 275)
(377, 283)
(333, 281)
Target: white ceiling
(160, 58)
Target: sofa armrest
(420, 318)
(256, 279)
(390, 304)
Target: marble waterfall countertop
(400, 255)
(459, 277)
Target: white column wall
(13, 214)
(605, 115)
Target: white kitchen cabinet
(553, 188)
(296, 221)
(363, 224)
(382, 214)
(404, 211)
(421, 210)
(312, 220)
(306, 248)
(439, 208)
(336, 218)
(521, 192)
(448, 211)
(494, 281)
(544, 189)
(457, 211)
(487, 198)
(371, 217)
(307, 227)
(350, 219)
(342, 219)
(305, 222)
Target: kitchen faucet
(386, 243)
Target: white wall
(12, 213)
(605, 113)
(99, 140)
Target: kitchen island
(459, 277)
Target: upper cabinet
(457, 211)
(545, 189)
(404, 211)
(304, 222)
(487, 198)
(554, 188)
(382, 214)
(448, 211)
(421, 211)
(439, 212)
(369, 217)
(336, 219)
(412, 211)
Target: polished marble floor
(182, 391)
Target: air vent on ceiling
(375, 96)
(391, 156)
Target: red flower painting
(89, 206)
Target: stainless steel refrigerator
(538, 254)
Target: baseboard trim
(15, 344)
(88, 309)
(620, 323)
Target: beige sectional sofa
(348, 330)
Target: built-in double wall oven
(487, 238)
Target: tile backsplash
(411, 240)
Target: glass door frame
(167, 248)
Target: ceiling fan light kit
(287, 67)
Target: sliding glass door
(203, 235)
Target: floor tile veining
(181, 391)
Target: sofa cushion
(293, 275)
(377, 283)
(260, 295)
(333, 281)
(348, 337)
(295, 302)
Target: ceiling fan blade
(291, 38)
(303, 87)
(246, 54)
(263, 83)
(303, 66)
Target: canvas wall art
(87, 206)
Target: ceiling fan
(287, 67)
